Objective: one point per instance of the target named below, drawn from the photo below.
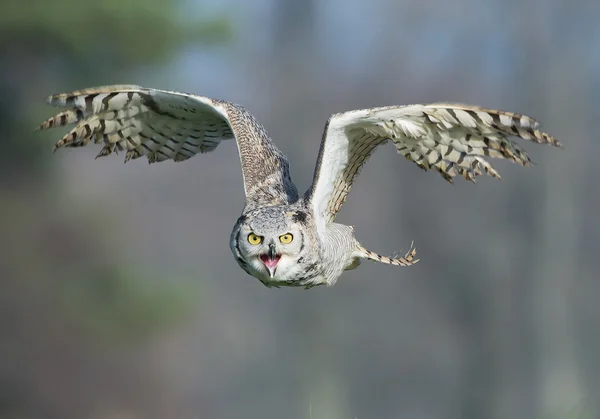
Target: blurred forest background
(119, 296)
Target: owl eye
(286, 238)
(254, 239)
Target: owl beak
(270, 260)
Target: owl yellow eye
(254, 239)
(286, 238)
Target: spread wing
(450, 138)
(163, 125)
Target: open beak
(270, 260)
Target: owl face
(269, 245)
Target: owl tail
(406, 260)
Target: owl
(283, 238)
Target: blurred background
(119, 298)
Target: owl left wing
(157, 124)
(450, 138)
(165, 125)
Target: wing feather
(148, 122)
(164, 125)
(452, 139)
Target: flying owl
(284, 238)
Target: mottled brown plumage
(164, 125)
(450, 138)
(281, 238)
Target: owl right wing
(165, 125)
(450, 138)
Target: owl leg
(406, 260)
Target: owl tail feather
(406, 260)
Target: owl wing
(450, 138)
(164, 125)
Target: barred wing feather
(154, 123)
(453, 139)
(164, 125)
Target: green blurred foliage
(68, 298)
(128, 32)
(121, 305)
(69, 44)
(66, 295)
(583, 410)
(60, 257)
(74, 43)
(79, 43)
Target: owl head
(269, 243)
